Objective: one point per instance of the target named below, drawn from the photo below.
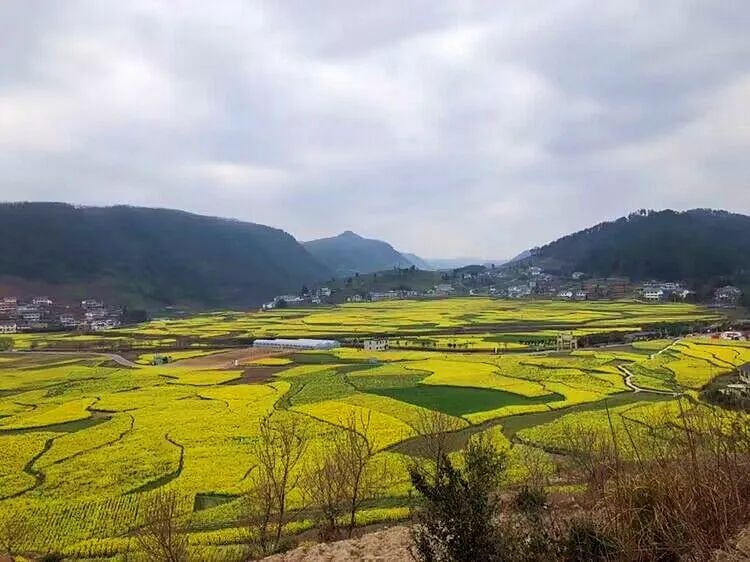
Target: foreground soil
(388, 545)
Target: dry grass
(686, 494)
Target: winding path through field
(628, 375)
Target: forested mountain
(348, 253)
(151, 256)
(698, 246)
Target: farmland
(86, 442)
(472, 324)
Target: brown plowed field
(226, 359)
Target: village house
(29, 313)
(101, 325)
(519, 291)
(8, 328)
(68, 321)
(727, 296)
(566, 341)
(386, 296)
(653, 294)
(95, 314)
(380, 344)
(8, 306)
(444, 289)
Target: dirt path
(628, 375)
(388, 545)
(226, 359)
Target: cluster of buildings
(535, 282)
(518, 282)
(42, 313)
(375, 296)
(439, 290)
(320, 296)
(659, 292)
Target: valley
(92, 428)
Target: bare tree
(162, 538)
(325, 488)
(279, 450)
(260, 506)
(436, 431)
(362, 479)
(15, 530)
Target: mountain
(144, 256)
(523, 255)
(698, 246)
(348, 254)
(418, 262)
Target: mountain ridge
(699, 246)
(152, 256)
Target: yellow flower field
(86, 442)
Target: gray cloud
(444, 127)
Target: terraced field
(86, 442)
(478, 324)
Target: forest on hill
(151, 256)
(702, 247)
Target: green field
(86, 442)
(458, 400)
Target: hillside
(698, 246)
(348, 254)
(404, 279)
(148, 256)
(418, 262)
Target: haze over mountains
(153, 257)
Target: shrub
(457, 518)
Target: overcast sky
(446, 128)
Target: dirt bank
(388, 545)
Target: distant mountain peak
(349, 253)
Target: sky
(447, 128)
